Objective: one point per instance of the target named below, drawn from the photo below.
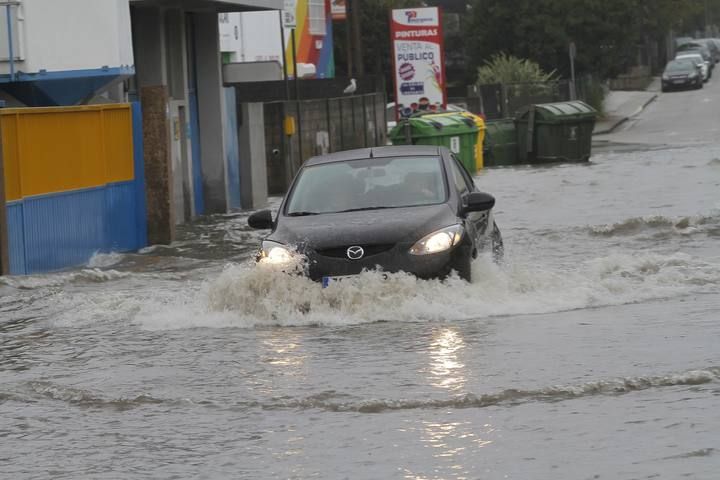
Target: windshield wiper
(362, 209)
(301, 214)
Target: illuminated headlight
(276, 253)
(438, 241)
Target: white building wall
(251, 36)
(66, 35)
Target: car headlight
(666, 76)
(438, 241)
(276, 253)
(694, 74)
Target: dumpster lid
(559, 112)
(436, 125)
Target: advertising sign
(338, 10)
(418, 60)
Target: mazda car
(414, 209)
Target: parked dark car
(402, 208)
(702, 49)
(681, 74)
(712, 46)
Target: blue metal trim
(8, 16)
(139, 164)
(69, 74)
(199, 200)
(232, 155)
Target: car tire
(699, 86)
(496, 242)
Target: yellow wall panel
(66, 148)
(118, 150)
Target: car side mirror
(262, 220)
(478, 202)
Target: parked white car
(698, 60)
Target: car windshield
(679, 66)
(368, 184)
(692, 58)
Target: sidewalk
(621, 105)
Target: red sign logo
(410, 14)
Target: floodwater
(592, 353)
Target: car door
(476, 222)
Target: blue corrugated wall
(16, 237)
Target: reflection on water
(283, 349)
(446, 369)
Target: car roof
(376, 152)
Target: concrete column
(253, 169)
(4, 254)
(158, 186)
(211, 111)
(148, 31)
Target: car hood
(369, 227)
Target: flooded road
(592, 353)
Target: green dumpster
(455, 132)
(555, 132)
(500, 142)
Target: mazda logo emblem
(355, 253)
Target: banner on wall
(418, 60)
(338, 9)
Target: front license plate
(679, 81)
(328, 280)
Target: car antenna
(371, 153)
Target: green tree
(606, 33)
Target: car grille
(341, 252)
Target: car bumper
(397, 259)
(670, 84)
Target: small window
(316, 15)
(463, 182)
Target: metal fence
(504, 100)
(324, 126)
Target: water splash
(245, 296)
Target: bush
(507, 69)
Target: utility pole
(348, 37)
(353, 24)
(707, 20)
(572, 51)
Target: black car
(403, 208)
(681, 73)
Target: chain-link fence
(324, 126)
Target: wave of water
(339, 402)
(104, 260)
(247, 296)
(660, 224)
(88, 275)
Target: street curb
(625, 119)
